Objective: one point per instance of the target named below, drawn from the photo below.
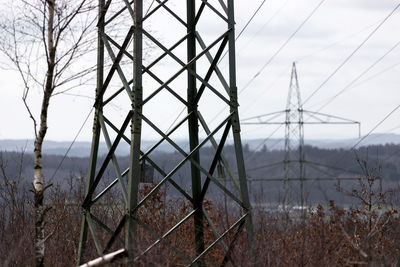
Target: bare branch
(42, 43)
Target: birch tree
(45, 42)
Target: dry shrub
(367, 234)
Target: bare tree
(45, 41)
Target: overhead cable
(282, 46)
(264, 25)
(245, 26)
(275, 54)
(376, 126)
(352, 54)
(350, 85)
(72, 143)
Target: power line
(370, 78)
(251, 18)
(265, 166)
(348, 86)
(365, 136)
(349, 36)
(318, 51)
(72, 143)
(264, 25)
(389, 131)
(148, 9)
(376, 126)
(237, 37)
(352, 54)
(331, 167)
(282, 46)
(269, 88)
(392, 155)
(275, 54)
(263, 142)
(368, 134)
(177, 117)
(329, 46)
(377, 74)
(245, 26)
(290, 118)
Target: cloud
(371, 4)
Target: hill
(381, 160)
(82, 149)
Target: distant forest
(381, 160)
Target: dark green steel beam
(173, 14)
(155, 9)
(189, 157)
(144, 156)
(211, 69)
(233, 226)
(236, 130)
(114, 66)
(96, 135)
(87, 201)
(186, 67)
(217, 157)
(208, 75)
(194, 129)
(136, 129)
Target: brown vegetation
(368, 234)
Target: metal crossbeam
(143, 83)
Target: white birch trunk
(38, 182)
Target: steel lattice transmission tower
(294, 162)
(294, 137)
(191, 79)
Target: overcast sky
(323, 43)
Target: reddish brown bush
(368, 234)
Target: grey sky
(334, 31)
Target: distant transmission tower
(294, 162)
(180, 75)
(294, 136)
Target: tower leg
(194, 131)
(136, 129)
(236, 131)
(95, 138)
